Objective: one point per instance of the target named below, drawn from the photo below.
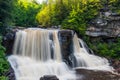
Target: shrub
(4, 65)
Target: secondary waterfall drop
(86, 60)
(37, 52)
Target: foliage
(5, 14)
(43, 17)
(106, 49)
(52, 13)
(24, 13)
(68, 13)
(4, 65)
(3, 78)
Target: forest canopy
(72, 14)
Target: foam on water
(37, 53)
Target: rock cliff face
(65, 37)
(8, 41)
(109, 27)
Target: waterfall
(86, 60)
(37, 53)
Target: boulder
(49, 77)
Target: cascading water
(37, 53)
(86, 60)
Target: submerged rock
(97, 75)
(49, 77)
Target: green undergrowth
(4, 65)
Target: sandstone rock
(97, 75)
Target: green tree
(5, 14)
(82, 12)
(54, 13)
(24, 13)
(71, 14)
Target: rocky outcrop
(8, 41)
(116, 65)
(65, 37)
(97, 75)
(49, 77)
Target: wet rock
(49, 77)
(10, 74)
(97, 75)
(116, 65)
(8, 41)
(65, 37)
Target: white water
(37, 53)
(86, 60)
(33, 58)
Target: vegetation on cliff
(5, 20)
(108, 49)
(4, 65)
